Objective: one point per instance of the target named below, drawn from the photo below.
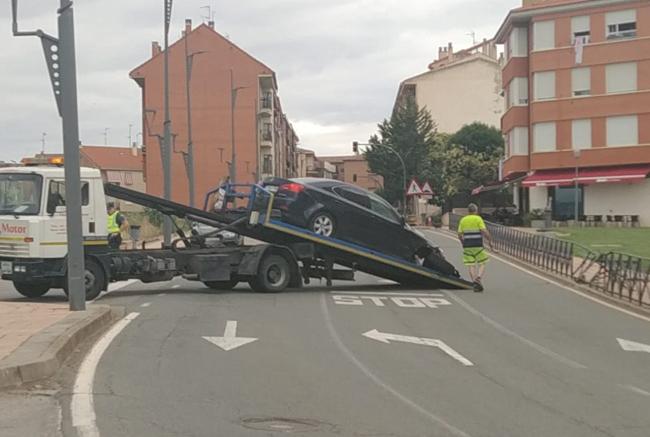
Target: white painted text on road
(382, 301)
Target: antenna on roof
(211, 13)
(473, 35)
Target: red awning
(586, 176)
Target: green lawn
(634, 241)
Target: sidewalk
(37, 337)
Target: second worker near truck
(116, 223)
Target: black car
(346, 212)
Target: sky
(338, 62)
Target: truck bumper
(28, 270)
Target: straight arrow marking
(633, 346)
(230, 341)
(385, 337)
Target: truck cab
(33, 240)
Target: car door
(353, 216)
(392, 237)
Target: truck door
(56, 197)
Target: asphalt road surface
(525, 358)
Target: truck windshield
(20, 194)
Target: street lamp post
(576, 199)
(189, 156)
(167, 131)
(61, 62)
(355, 148)
(233, 102)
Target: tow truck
(33, 242)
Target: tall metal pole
(67, 57)
(167, 129)
(576, 212)
(190, 143)
(233, 157)
(401, 160)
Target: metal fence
(623, 276)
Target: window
(621, 24)
(581, 134)
(354, 178)
(544, 137)
(20, 194)
(621, 78)
(580, 28)
(517, 43)
(383, 208)
(623, 131)
(518, 92)
(128, 178)
(353, 195)
(267, 164)
(544, 85)
(267, 132)
(56, 195)
(581, 81)
(518, 141)
(564, 199)
(544, 35)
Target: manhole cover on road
(283, 424)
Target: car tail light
(292, 187)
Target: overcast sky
(338, 62)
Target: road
(525, 358)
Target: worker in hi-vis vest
(471, 232)
(117, 223)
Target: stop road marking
(401, 301)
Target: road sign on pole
(414, 189)
(167, 129)
(61, 62)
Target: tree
(411, 132)
(465, 160)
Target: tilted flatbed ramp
(257, 222)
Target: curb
(44, 353)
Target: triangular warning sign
(414, 189)
(426, 188)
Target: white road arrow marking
(230, 341)
(633, 346)
(385, 337)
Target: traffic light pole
(61, 62)
(167, 130)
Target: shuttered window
(544, 35)
(544, 85)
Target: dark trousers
(114, 241)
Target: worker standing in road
(471, 232)
(116, 223)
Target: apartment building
(234, 99)
(458, 88)
(576, 78)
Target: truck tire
(32, 289)
(94, 279)
(273, 275)
(222, 285)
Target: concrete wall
(619, 199)
(462, 94)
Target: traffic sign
(414, 189)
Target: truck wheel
(273, 275)
(93, 279)
(32, 289)
(222, 285)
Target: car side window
(381, 207)
(356, 196)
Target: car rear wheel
(32, 289)
(322, 223)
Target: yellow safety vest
(112, 226)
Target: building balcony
(515, 164)
(266, 105)
(515, 116)
(593, 157)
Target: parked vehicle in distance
(332, 208)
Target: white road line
(502, 329)
(114, 286)
(176, 286)
(558, 284)
(636, 390)
(146, 304)
(388, 293)
(374, 378)
(161, 294)
(82, 408)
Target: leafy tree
(411, 132)
(465, 160)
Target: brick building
(265, 140)
(577, 85)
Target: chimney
(188, 26)
(211, 24)
(450, 52)
(442, 53)
(155, 48)
(134, 149)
